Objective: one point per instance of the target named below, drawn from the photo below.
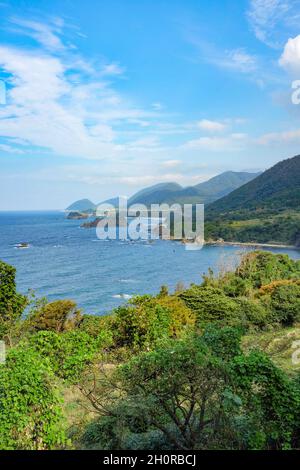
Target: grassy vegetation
(208, 367)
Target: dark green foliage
(285, 304)
(147, 319)
(30, 414)
(161, 373)
(211, 305)
(270, 398)
(262, 267)
(68, 353)
(200, 393)
(12, 304)
(272, 200)
(95, 325)
(277, 188)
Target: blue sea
(66, 261)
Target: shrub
(211, 305)
(60, 315)
(12, 304)
(30, 412)
(262, 267)
(147, 319)
(285, 304)
(68, 353)
(253, 313)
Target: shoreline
(251, 245)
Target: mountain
(223, 184)
(83, 205)
(276, 189)
(155, 194)
(266, 209)
(206, 192)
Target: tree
(12, 304)
(60, 315)
(147, 319)
(201, 392)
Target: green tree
(30, 411)
(60, 315)
(12, 304)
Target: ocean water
(66, 261)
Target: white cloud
(9, 149)
(271, 20)
(171, 163)
(211, 126)
(280, 137)
(240, 60)
(61, 104)
(217, 144)
(290, 58)
(47, 35)
(113, 69)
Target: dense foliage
(162, 372)
(264, 210)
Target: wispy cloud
(280, 137)
(273, 20)
(46, 34)
(211, 126)
(61, 103)
(234, 141)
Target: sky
(105, 97)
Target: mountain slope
(225, 183)
(276, 189)
(264, 210)
(155, 194)
(205, 193)
(83, 205)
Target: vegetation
(208, 367)
(265, 210)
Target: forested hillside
(267, 209)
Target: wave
(122, 296)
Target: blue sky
(106, 97)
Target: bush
(30, 412)
(211, 305)
(12, 304)
(147, 319)
(253, 313)
(60, 315)
(68, 353)
(285, 304)
(262, 267)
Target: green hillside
(264, 210)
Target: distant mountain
(265, 209)
(171, 193)
(155, 194)
(223, 184)
(205, 193)
(83, 205)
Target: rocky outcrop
(77, 215)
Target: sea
(65, 261)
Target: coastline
(251, 244)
